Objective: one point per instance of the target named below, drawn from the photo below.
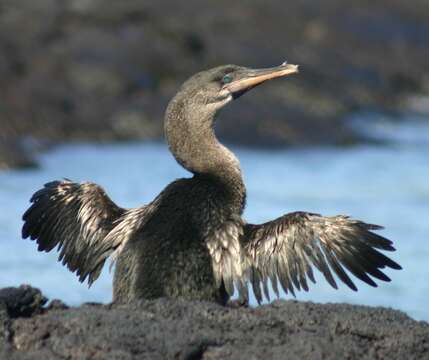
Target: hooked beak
(250, 78)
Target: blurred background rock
(104, 70)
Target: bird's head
(190, 114)
(216, 87)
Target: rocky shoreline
(103, 70)
(178, 329)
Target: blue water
(386, 185)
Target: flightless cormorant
(191, 240)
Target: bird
(191, 241)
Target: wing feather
(77, 218)
(285, 250)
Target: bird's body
(173, 260)
(191, 241)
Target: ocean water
(382, 184)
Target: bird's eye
(227, 79)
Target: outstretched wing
(285, 250)
(77, 217)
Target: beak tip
(291, 67)
(294, 67)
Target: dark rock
(178, 329)
(24, 301)
(13, 155)
(57, 304)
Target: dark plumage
(191, 240)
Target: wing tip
(394, 265)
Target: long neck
(191, 138)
